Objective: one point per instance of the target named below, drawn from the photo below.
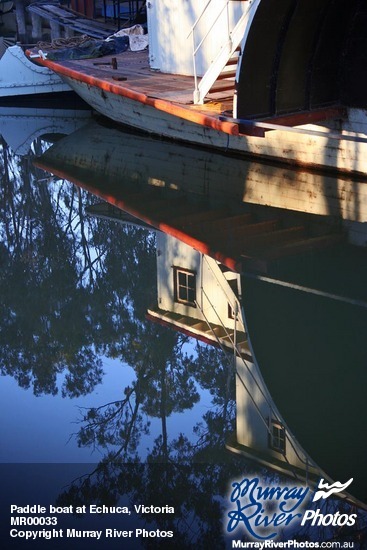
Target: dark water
(101, 405)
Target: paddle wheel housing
(300, 55)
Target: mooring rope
(58, 43)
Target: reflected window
(232, 312)
(185, 286)
(277, 439)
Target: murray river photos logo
(262, 510)
(325, 490)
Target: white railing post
(196, 90)
(195, 49)
(228, 27)
(234, 36)
(194, 52)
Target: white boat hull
(19, 76)
(199, 171)
(313, 147)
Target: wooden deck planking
(134, 67)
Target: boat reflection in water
(25, 119)
(140, 160)
(201, 297)
(204, 299)
(237, 275)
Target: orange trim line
(159, 104)
(202, 247)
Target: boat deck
(134, 69)
(129, 74)
(176, 88)
(124, 88)
(132, 76)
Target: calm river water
(102, 405)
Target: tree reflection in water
(76, 288)
(46, 328)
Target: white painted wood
(19, 76)
(172, 252)
(225, 52)
(254, 404)
(170, 42)
(318, 151)
(206, 172)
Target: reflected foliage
(76, 288)
(194, 490)
(164, 384)
(46, 327)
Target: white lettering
(337, 519)
(94, 509)
(141, 509)
(153, 534)
(115, 533)
(76, 533)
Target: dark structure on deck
(302, 55)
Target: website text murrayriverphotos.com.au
(262, 512)
(292, 544)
